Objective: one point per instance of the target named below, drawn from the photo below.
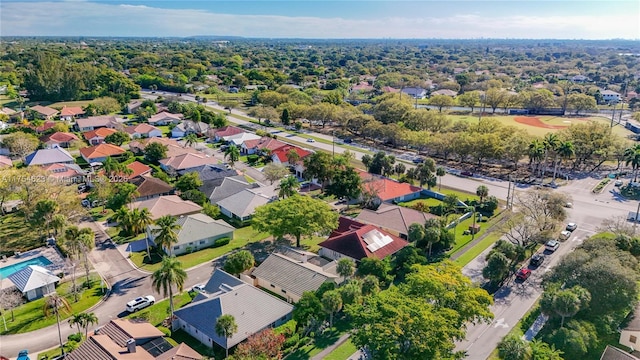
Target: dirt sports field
(540, 125)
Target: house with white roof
(610, 96)
(239, 139)
(50, 156)
(34, 281)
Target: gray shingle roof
(245, 202)
(49, 156)
(230, 186)
(32, 277)
(210, 172)
(293, 276)
(613, 353)
(197, 227)
(252, 309)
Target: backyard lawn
(343, 351)
(18, 235)
(30, 316)
(241, 238)
(322, 341)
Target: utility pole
(333, 144)
(613, 114)
(509, 191)
(635, 223)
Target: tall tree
(288, 187)
(190, 139)
(232, 153)
(482, 191)
(56, 304)
(331, 303)
(345, 268)
(318, 166)
(167, 232)
(514, 348)
(296, 216)
(21, 144)
(426, 173)
(154, 152)
(274, 172)
(169, 274)
(565, 302)
(440, 173)
(239, 262)
(225, 327)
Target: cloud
(82, 18)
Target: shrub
(164, 330)
(252, 159)
(221, 242)
(291, 341)
(77, 337)
(287, 329)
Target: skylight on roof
(375, 240)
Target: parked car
(310, 140)
(537, 260)
(564, 234)
(85, 203)
(466, 173)
(618, 183)
(140, 303)
(552, 245)
(198, 288)
(418, 160)
(572, 226)
(523, 274)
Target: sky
(320, 19)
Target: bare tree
(9, 300)
(618, 225)
(521, 231)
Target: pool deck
(50, 252)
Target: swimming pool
(8, 270)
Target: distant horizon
(324, 19)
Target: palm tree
(167, 233)
(87, 242)
(632, 156)
(565, 151)
(140, 219)
(77, 320)
(190, 139)
(56, 303)
(440, 172)
(225, 327)
(169, 274)
(536, 153)
(288, 187)
(550, 143)
(123, 217)
(88, 320)
(58, 222)
(232, 153)
(482, 191)
(73, 239)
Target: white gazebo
(34, 281)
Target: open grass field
(18, 235)
(61, 104)
(539, 125)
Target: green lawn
(343, 351)
(17, 234)
(241, 238)
(30, 316)
(462, 240)
(472, 253)
(322, 341)
(60, 105)
(159, 311)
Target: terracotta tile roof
(71, 111)
(150, 186)
(225, 131)
(138, 169)
(188, 161)
(140, 129)
(60, 171)
(45, 126)
(59, 137)
(164, 116)
(44, 110)
(102, 150)
(180, 352)
(389, 89)
(264, 143)
(101, 132)
(349, 240)
(387, 189)
(173, 147)
(282, 152)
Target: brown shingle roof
(44, 110)
(150, 186)
(394, 218)
(188, 161)
(140, 129)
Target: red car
(523, 274)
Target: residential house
(579, 78)
(290, 272)
(252, 309)
(47, 125)
(211, 176)
(363, 86)
(43, 112)
(133, 106)
(610, 96)
(239, 139)
(55, 155)
(445, 92)
(189, 127)
(186, 161)
(197, 231)
(71, 113)
(96, 137)
(394, 219)
(34, 281)
(5, 161)
(143, 130)
(126, 339)
(387, 190)
(389, 89)
(67, 173)
(96, 122)
(61, 139)
(242, 205)
(173, 147)
(167, 205)
(251, 147)
(613, 353)
(100, 153)
(4, 150)
(138, 169)
(165, 118)
(356, 241)
(229, 187)
(149, 187)
(281, 156)
(12, 114)
(630, 335)
(415, 92)
(225, 131)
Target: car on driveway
(140, 303)
(536, 260)
(552, 245)
(572, 226)
(523, 274)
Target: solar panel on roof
(376, 240)
(157, 346)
